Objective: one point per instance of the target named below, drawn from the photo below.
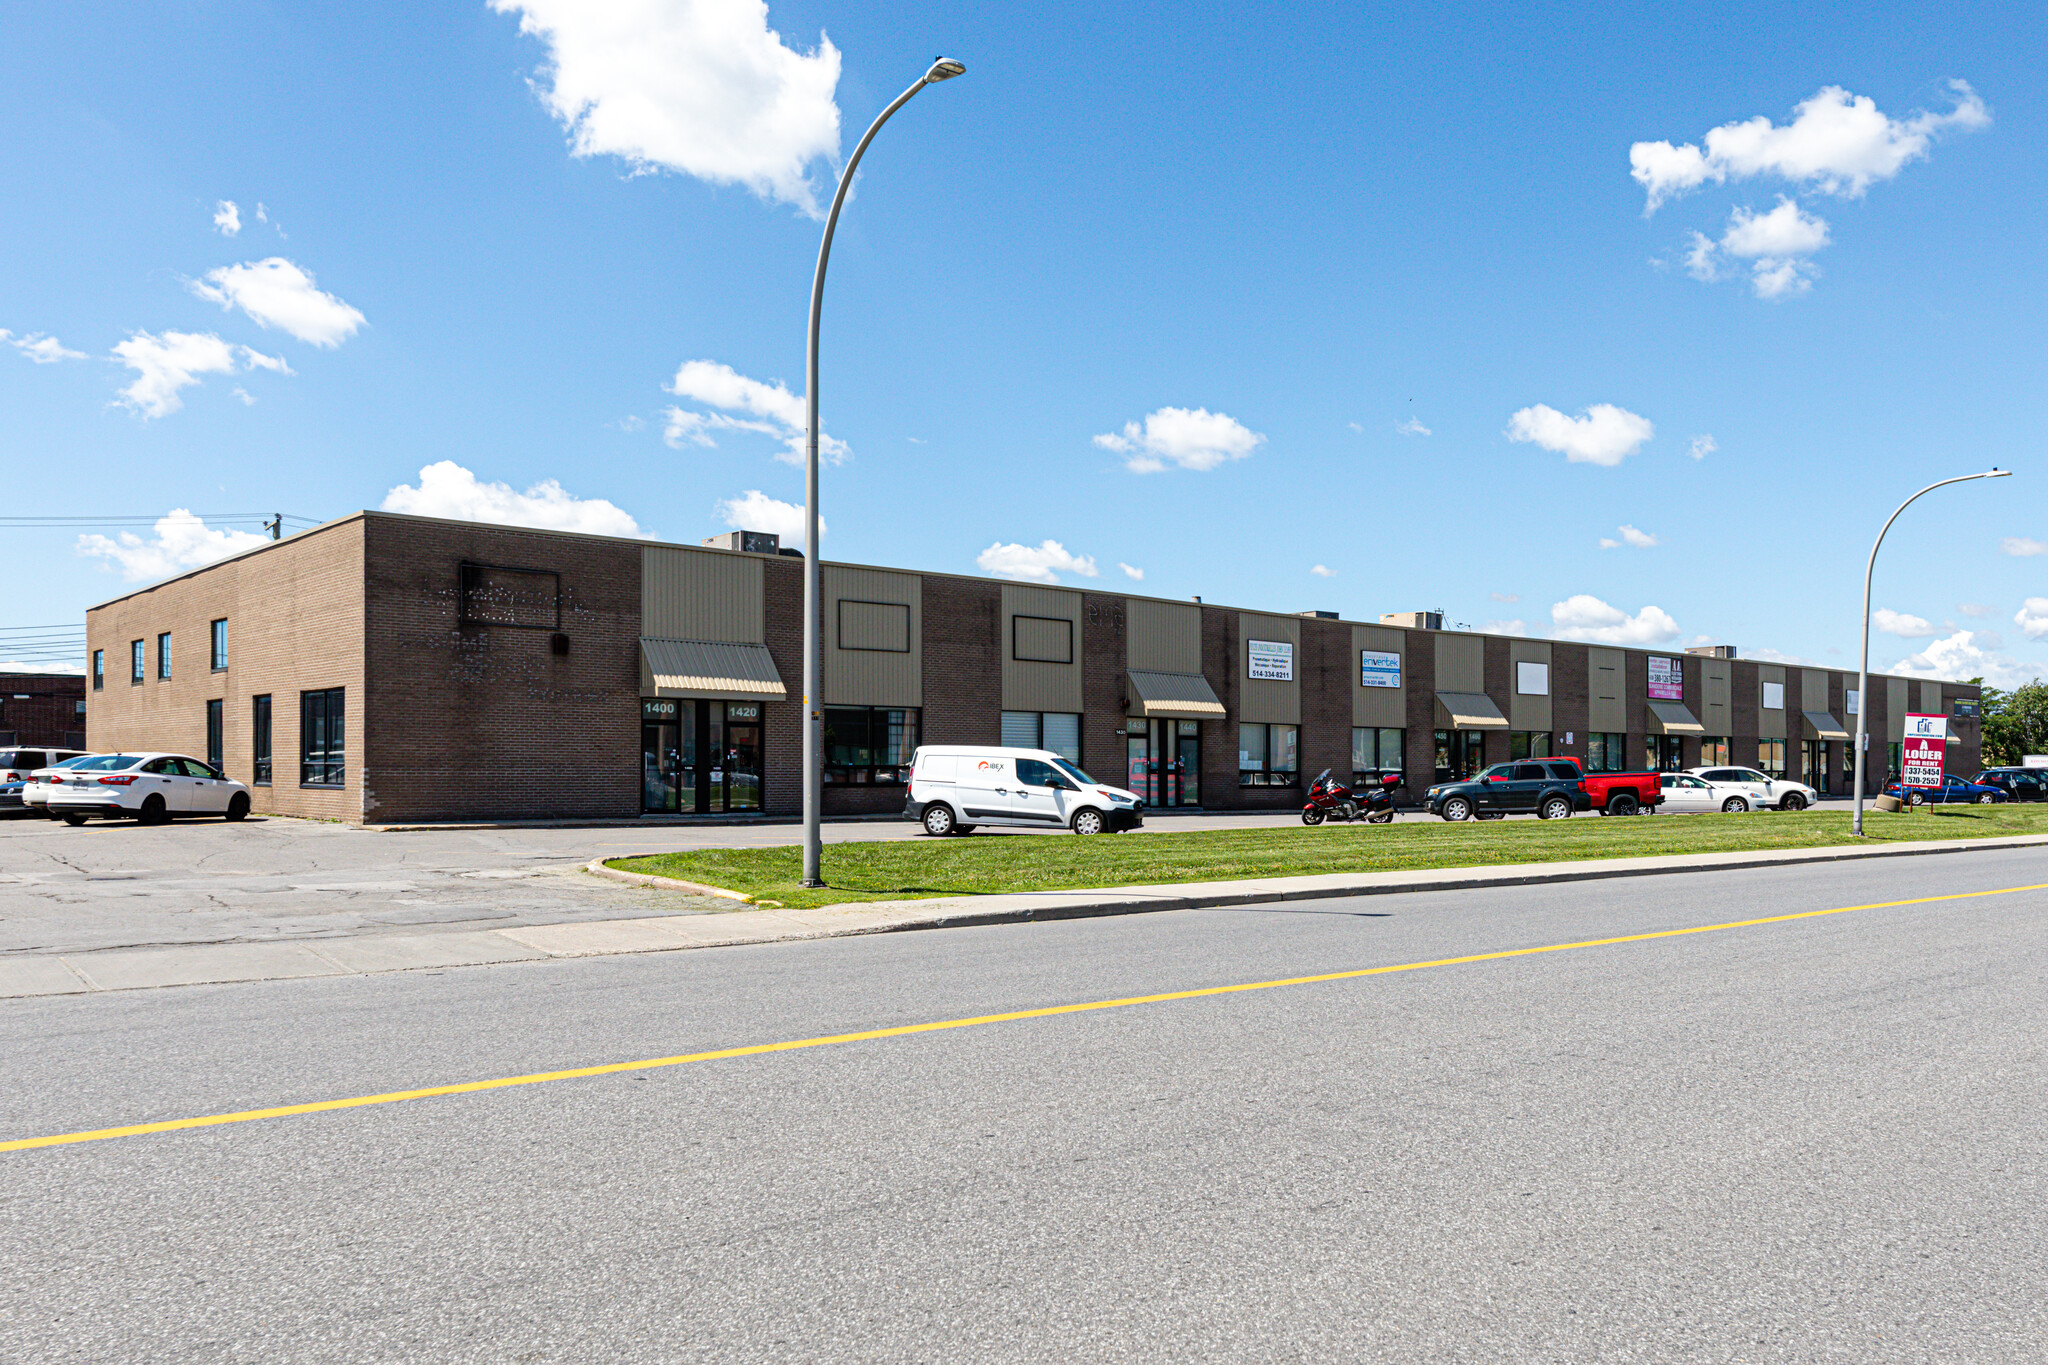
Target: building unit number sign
(1272, 660)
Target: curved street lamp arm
(1863, 666)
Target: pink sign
(1920, 761)
(1667, 680)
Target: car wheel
(238, 808)
(1624, 804)
(1311, 815)
(938, 820)
(153, 811)
(1457, 808)
(1556, 808)
(1792, 801)
(1735, 805)
(74, 819)
(1986, 799)
(1088, 822)
(1917, 799)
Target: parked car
(2018, 784)
(1952, 791)
(152, 788)
(1547, 788)
(1685, 794)
(1618, 793)
(35, 791)
(17, 767)
(954, 788)
(1759, 790)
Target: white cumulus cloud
(227, 218)
(1899, 624)
(769, 409)
(1413, 427)
(703, 87)
(1973, 609)
(276, 293)
(1702, 446)
(1505, 596)
(2022, 546)
(1837, 143)
(1967, 654)
(166, 363)
(179, 542)
(1603, 434)
(1041, 563)
(40, 347)
(448, 490)
(2032, 617)
(1323, 571)
(1585, 617)
(1191, 438)
(1641, 540)
(1135, 574)
(1775, 244)
(754, 510)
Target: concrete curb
(597, 868)
(221, 964)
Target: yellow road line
(905, 1030)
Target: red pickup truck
(1618, 793)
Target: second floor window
(163, 655)
(99, 669)
(137, 651)
(219, 649)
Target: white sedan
(1685, 794)
(1757, 790)
(152, 788)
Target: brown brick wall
(1104, 652)
(1327, 678)
(1571, 706)
(782, 722)
(1418, 677)
(485, 721)
(42, 709)
(1494, 670)
(295, 622)
(1745, 704)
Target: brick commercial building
(42, 709)
(388, 668)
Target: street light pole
(1863, 670)
(944, 69)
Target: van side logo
(986, 764)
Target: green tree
(2015, 722)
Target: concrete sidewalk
(132, 969)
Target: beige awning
(1181, 695)
(1468, 711)
(1671, 718)
(1824, 726)
(708, 668)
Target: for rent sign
(1920, 757)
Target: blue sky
(1173, 288)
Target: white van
(953, 788)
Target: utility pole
(275, 526)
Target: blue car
(1951, 791)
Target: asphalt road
(1820, 1140)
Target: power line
(219, 517)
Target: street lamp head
(1996, 473)
(944, 69)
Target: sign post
(1923, 751)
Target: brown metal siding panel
(883, 674)
(1165, 637)
(1606, 689)
(701, 594)
(1033, 685)
(1528, 712)
(1265, 699)
(1386, 706)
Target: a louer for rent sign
(1920, 756)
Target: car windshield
(107, 763)
(1071, 771)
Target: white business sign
(1378, 670)
(1272, 660)
(2034, 760)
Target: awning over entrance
(1468, 711)
(710, 668)
(1671, 718)
(1182, 696)
(1821, 725)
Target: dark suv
(2018, 784)
(1547, 788)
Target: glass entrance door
(1667, 753)
(742, 756)
(1165, 762)
(1817, 765)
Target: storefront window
(1529, 744)
(1667, 753)
(1715, 749)
(1459, 754)
(1377, 751)
(1606, 753)
(1770, 756)
(870, 745)
(1267, 755)
(1058, 731)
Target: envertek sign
(1925, 745)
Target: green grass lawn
(985, 864)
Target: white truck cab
(953, 788)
